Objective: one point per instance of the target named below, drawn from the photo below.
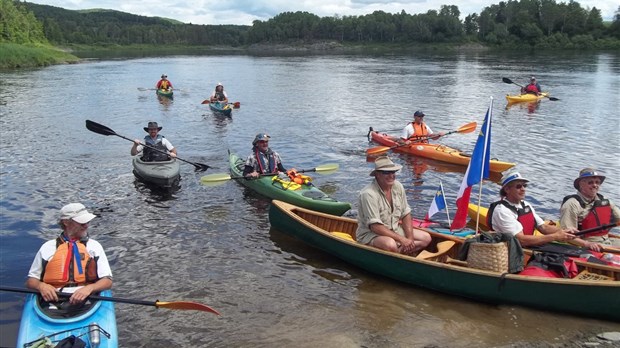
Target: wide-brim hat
(152, 125)
(512, 176)
(587, 173)
(384, 163)
(77, 212)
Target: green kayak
(274, 187)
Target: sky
(244, 12)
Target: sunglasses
(520, 186)
(594, 182)
(386, 172)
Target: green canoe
(593, 293)
(307, 196)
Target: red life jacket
(524, 215)
(71, 265)
(550, 265)
(420, 133)
(532, 89)
(600, 214)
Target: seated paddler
(156, 147)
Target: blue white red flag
(478, 168)
(438, 204)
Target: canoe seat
(343, 235)
(442, 248)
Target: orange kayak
(435, 151)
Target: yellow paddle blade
(215, 177)
(328, 167)
(377, 150)
(185, 305)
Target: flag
(477, 169)
(439, 203)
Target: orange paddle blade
(377, 150)
(236, 105)
(185, 305)
(468, 128)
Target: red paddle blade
(185, 305)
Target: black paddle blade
(200, 167)
(506, 80)
(98, 128)
(553, 98)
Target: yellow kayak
(526, 97)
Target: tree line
(513, 23)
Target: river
(214, 245)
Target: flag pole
(484, 153)
(445, 203)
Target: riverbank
(14, 56)
(23, 56)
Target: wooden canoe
(592, 293)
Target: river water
(214, 245)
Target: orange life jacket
(71, 265)
(298, 178)
(420, 133)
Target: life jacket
(150, 155)
(266, 162)
(550, 265)
(71, 264)
(286, 184)
(600, 214)
(299, 178)
(531, 89)
(164, 84)
(420, 133)
(524, 215)
(220, 95)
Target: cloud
(244, 12)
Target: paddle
(507, 80)
(235, 105)
(181, 305)
(221, 177)
(597, 228)
(466, 128)
(103, 130)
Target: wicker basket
(488, 256)
(585, 275)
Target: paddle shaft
(595, 229)
(103, 130)
(93, 297)
(170, 305)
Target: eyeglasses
(519, 186)
(594, 182)
(263, 141)
(386, 172)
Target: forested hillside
(511, 24)
(18, 25)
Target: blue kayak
(98, 323)
(221, 108)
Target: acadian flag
(478, 168)
(438, 204)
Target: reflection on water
(214, 244)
